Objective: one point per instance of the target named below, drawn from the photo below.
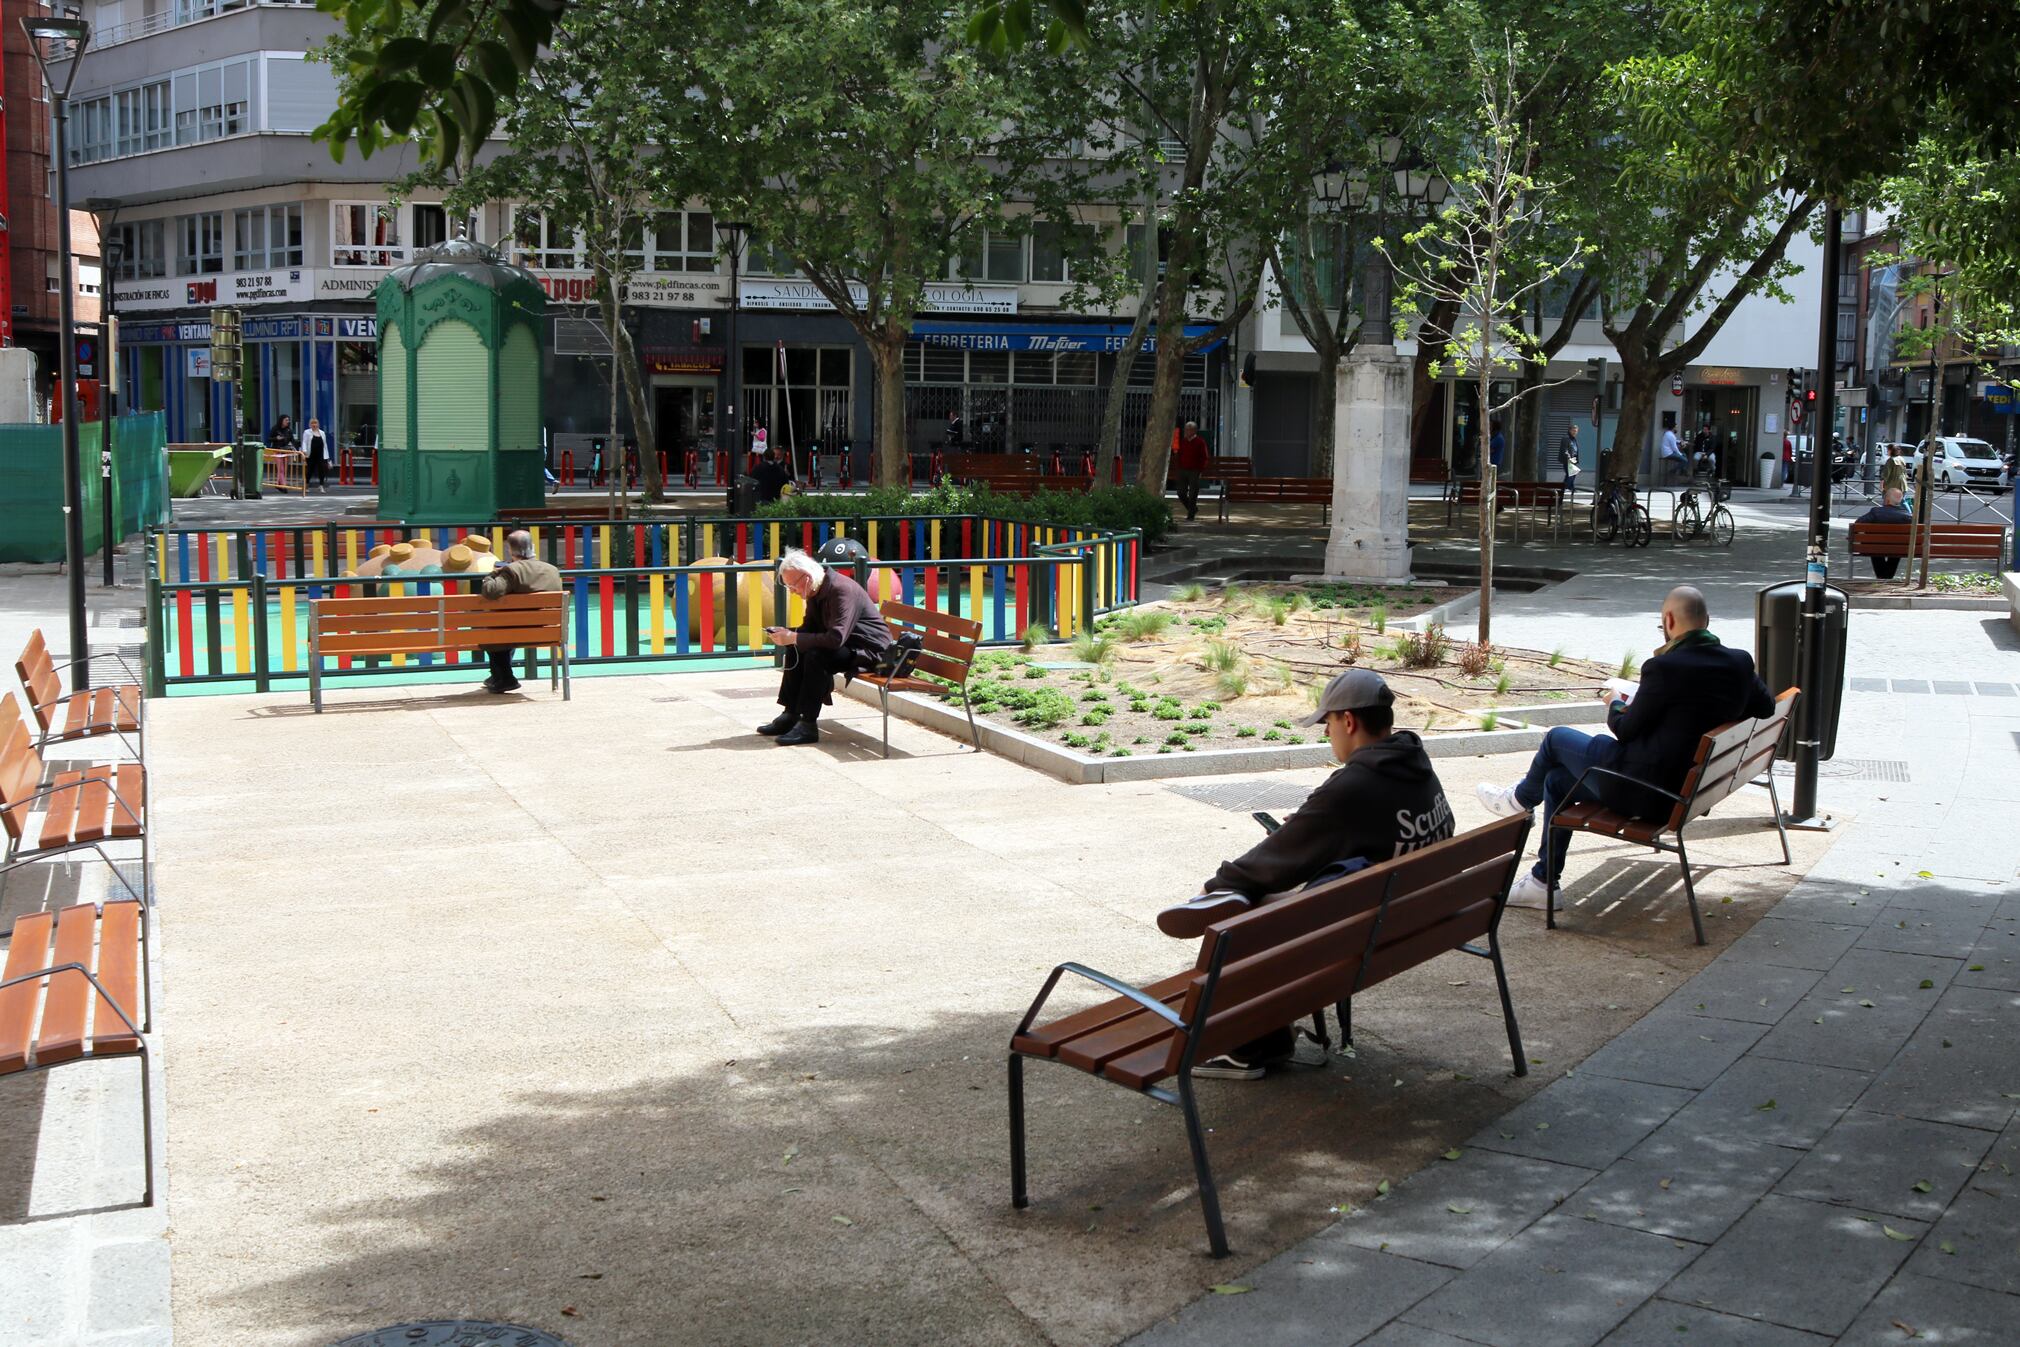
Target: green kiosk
(459, 387)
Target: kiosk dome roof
(461, 257)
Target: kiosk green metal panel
(459, 387)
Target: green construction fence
(31, 483)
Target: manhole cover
(454, 1333)
(1853, 769)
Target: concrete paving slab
(1674, 1045)
(1690, 1188)
(1584, 1120)
(1846, 1256)
(1561, 1283)
(1975, 1240)
(1898, 1166)
(1400, 1334)
(1770, 1102)
(1861, 1012)
(1935, 1311)
(1502, 1195)
(1994, 961)
(1664, 1323)
(1790, 943)
(1318, 1297)
(1960, 1066)
(1943, 930)
(1748, 991)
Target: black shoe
(805, 732)
(1188, 920)
(779, 723)
(1227, 1067)
(493, 685)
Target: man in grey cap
(1383, 801)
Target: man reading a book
(1691, 684)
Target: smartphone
(1268, 821)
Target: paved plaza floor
(606, 1018)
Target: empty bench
(83, 806)
(436, 624)
(111, 709)
(1946, 541)
(946, 651)
(1288, 490)
(1271, 966)
(1728, 758)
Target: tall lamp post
(733, 233)
(106, 213)
(45, 35)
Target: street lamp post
(106, 212)
(53, 30)
(732, 232)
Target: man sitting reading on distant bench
(1891, 511)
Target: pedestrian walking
(317, 446)
(1191, 457)
(1567, 460)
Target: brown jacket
(528, 575)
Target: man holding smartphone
(841, 633)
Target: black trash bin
(1777, 620)
(743, 497)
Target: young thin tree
(1480, 258)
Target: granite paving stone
(1315, 1294)
(1938, 1312)
(1767, 1101)
(1947, 929)
(1861, 1028)
(1582, 1120)
(1563, 1282)
(1961, 1066)
(1664, 1323)
(1400, 1334)
(1879, 1162)
(1731, 989)
(1978, 1239)
(1789, 943)
(129, 1288)
(1838, 902)
(1994, 961)
(1691, 1187)
(1845, 1257)
(1502, 1195)
(1670, 1046)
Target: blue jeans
(1560, 760)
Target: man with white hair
(842, 633)
(523, 573)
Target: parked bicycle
(1700, 511)
(1616, 513)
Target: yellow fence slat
(287, 627)
(241, 630)
(351, 550)
(657, 597)
(975, 592)
(775, 554)
(936, 540)
(871, 542)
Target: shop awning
(1037, 337)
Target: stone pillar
(1371, 468)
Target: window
(433, 225)
(92, 125)
(266, 236)
(542, 242)
(682, 241)
(1057, 249)
(761, 259)
(364, 234)
(138, 251)
(89, 278)
(1133, 245)
(50, 275)
(995, 255)
(202, 250)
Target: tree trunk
(887, 359)
(1489, 488)
(633, 381)
(1525, 463)
(1156, 450)
(1427, 439)
(1325, 406)
(1640, 384)
(1118, 390)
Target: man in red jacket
(1190, 460)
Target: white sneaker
(1499, 800)
(1529, 892)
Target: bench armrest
(1116, 985)
(86, 780)
(92, 977)
(1622, 776)
(102, 654)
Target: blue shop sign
(1074, 337)
(2003, 399)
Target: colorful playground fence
(228, 610)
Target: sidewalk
(1812, 1141)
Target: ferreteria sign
(939, 297)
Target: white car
(1962, 461)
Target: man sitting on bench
(523, 574)
(1891, 511)
(1383, 801)
(841, 633)
(1690, 685)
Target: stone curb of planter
(1529, 724)
(2010, 583)
(1962, 603)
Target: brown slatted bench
(1025, 484)
(113, 709)
(1728, 758)
(435, 624)
(946, 651)
(83, 807)
(1546, 496)
(75, 1000)
(1947, 541)
(1271, 966)
(1288, 490)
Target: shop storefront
(1726, 403)
(301, 365)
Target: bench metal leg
(1507, 1003)
(976, 734)
(1345, 1010)
(567, 690)
(1209, 1200)
(1689, 889)
(884, 700)
(1020, 1198)
(146, 1114)
(1775, 800)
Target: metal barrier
(230, 609)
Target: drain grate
(1241, 797)
(454, 1333)
(1854, 769)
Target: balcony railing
(179, 13)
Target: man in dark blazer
(842, 632)
(1691, 684)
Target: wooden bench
(75, 1000)
(1271, 966)
(946, 651)
(1221, 469)
(436, 624)
(84, 806)
(1546, 496)
(1026, 484)
(113, 709)
(962, 466)
(1288, 490)
(1947, 541)
(1727, 758)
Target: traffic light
(1795, 383)
(225, 345)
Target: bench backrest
(993, 465)
(38, 676)
(1263, 487)
(20, 767)
(1288, 958)
(1429, 470)
(1232, 467)
(1729, 757)
(947, 642)
(392, 624)
(1946, 540)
